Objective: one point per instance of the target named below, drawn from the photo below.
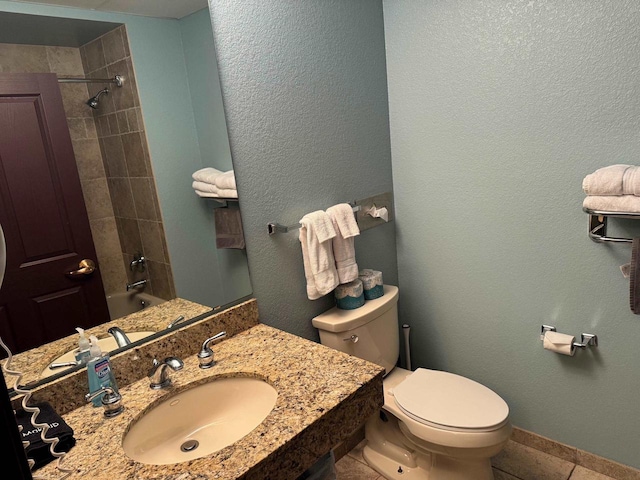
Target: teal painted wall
(163, 84)
(498, 110)
(204, 86)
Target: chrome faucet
(111, 401)
(120, 337)
(138, 284)
(159, 374)
(138, 263)
(176, 321)
(205, 356)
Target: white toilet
(433, 425)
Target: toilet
(433, 425)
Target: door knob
(85, 267)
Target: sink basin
(199, 421)
(106, 344)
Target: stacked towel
(344, 223)
(212, 183)
(316, 229)
(614, 188)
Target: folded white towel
(610, 203)
(613, 180)
(207, 175)
(226, 180)
(204, 187)
(227, 193)
(344, 251)
(316, 231)
(206, 194)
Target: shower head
(93, 101)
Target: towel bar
(274, 228)
(598, 225)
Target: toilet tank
(369, 332)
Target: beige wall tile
(544, 444)
(113, 274)
(90, 125)
(152, 244)
(89, 159)
(142, 197)
(94, 56)
(132, 119)
(607, 467)
(126, 96)
(113, 154)
(65, 61)
(122, 198)
(74, 99)
(105, 237)
(159, 279)
(125, 40)
(135, 155)
(129, 232)
(77, 128)
(530, 464)
(123, 122)
(97, 198)
(581, 473)
(113, 46)
(23, 59)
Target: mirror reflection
(102, 224)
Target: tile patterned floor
(516, 462)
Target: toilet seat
(450, 402)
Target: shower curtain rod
(118, 80)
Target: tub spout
(138, 284)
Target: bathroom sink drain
(189, 445)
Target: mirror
(137, 151)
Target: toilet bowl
(433, 425)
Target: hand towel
(316, 231)
(206, 175)
(204, 187)
(344, 252)
(226, 180)
(613, 180)
(607, 203)
(634, 277)
(38, 450)
(229, 233)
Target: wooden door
(44, 218)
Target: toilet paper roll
(559, 343)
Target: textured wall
(498, 110)
(304, 87)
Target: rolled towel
(608, 203)
(344, 242)
(207, 175)
(617, 179)
(204, 187)
(226, 180)
(316, 231)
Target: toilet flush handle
(352, 338)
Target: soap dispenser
(82, 353)
(99, 371)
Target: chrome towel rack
(274, 228)
(598, 225)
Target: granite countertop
(323, 396)
(156, 318)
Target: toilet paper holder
(588, 339)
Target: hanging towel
(634, 277)
(206, 175)
(344, 252)
(608, 203)
(229, 233)
(38, 449)
(316, 231)
(226, 180)
(613, 180)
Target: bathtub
(121, 304)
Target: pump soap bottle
(99, 371)
(82, 353)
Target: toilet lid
(450, 401)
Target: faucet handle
(111, 401)
(205, 356)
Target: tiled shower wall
(127, 164)
(65, 61)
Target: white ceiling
(148, 8)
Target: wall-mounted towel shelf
(221, 200)
(598, 225)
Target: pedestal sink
(199, 421)
(106, 344)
